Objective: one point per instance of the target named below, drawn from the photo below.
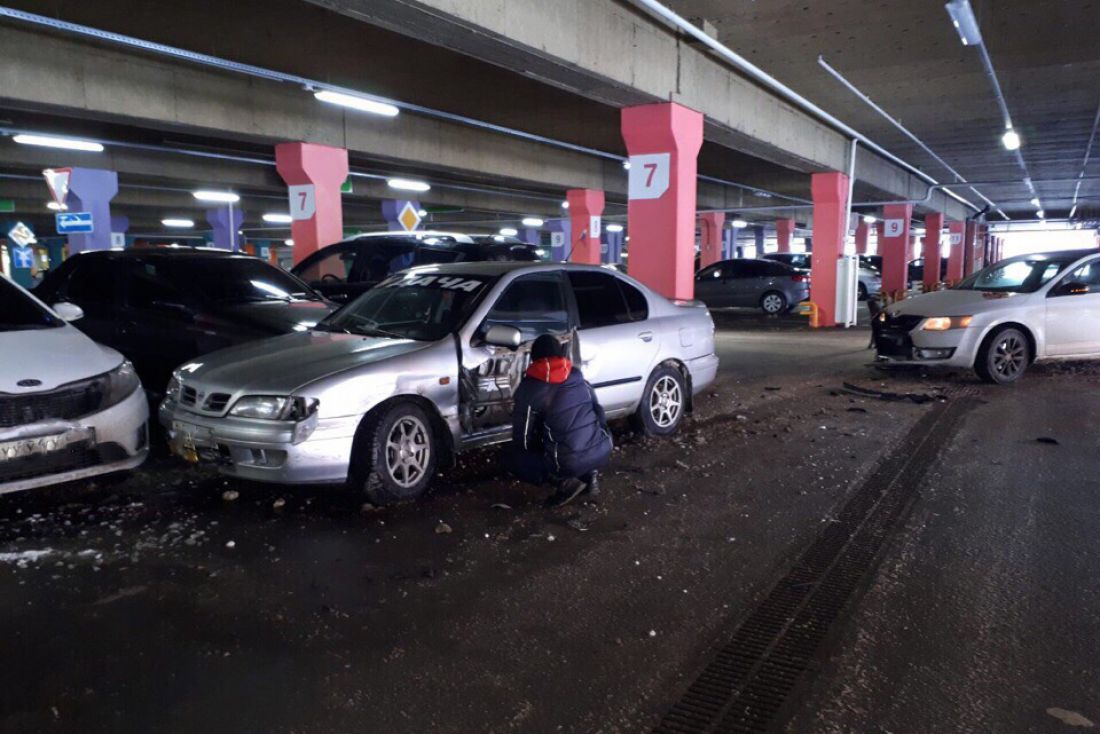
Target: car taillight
(800, 278)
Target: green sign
(7, 205)
(345, 188)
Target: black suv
(162, 307)
(346, 269)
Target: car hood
(954, 303)
(54, 357)
(278, 317)
(282, 364)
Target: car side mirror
(503, 336)
(1071, 288)
(68, 311)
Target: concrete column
(226, 232)
(784, 230)
(120, 225)
(402, 215)
(585, 213)
(980, 247)
(970, 236)
(830, 195)
(91, 190)
(933, 223)
(711, 225)
(729, 241)
(879, 229)
(559, 239)
(612, 249)
(893, 246)
(758, 240)
(663, 141)
(955, 237)
(863, 233)
(314, 174)
(530, 235)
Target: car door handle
(646, 336)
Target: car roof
(503, 267)
(176, 252)
(416, 235)
(1061, 254)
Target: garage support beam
(863, 233)
(663, 141)
(613, 253)
(710, 237)
(830, 194)
(933, 225)
(91, 190)
(784, 231)
(893, 246)
(226, 222)
(314, 174)
(955, 236)
(585, 213)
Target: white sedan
(69, 408)
(1001, 319)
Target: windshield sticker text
(437, 281)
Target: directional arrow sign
(58, 181)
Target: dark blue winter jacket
(556, 412)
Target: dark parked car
(915, 267)
(870, 280)
(164, 307)
(346, 269)
(771, 286)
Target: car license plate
(187, 438)
(17, 449)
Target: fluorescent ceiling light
(277, 218)
(1041, 214)
(1011, 140)
(178, 223)
(357, 103)
(50, 141)
(509, 231)
(626, 165)
(422, 213)
(1072, 211)
(1035, 202)
(288, 243)
(614, 228)
(565, 205)
(869, 219)
(54, 206)
(408, 184)
(532, 222)
(962, 17)
(739, 224)
(222, 197)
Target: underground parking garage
(684, 366)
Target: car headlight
(945, 323)
(121, 383)
(881, 316)
(274, 408)
(172, 392)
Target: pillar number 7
(649, 175)
(303, 201)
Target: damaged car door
(534, 304)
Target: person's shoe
(567, 491)
(592, 485)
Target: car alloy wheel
(666, 402)
(1009, 356)
(408, 451)
(772, 303)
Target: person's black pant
(527, 466)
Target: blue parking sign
(22, 257)
(74, 223)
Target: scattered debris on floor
(230, 495)
(896, 397)
(443, 529)
(1048, 440)
(1070, 718)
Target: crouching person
(559, 431)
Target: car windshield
(1022, 275)
(20, 312)
(417, 305)
(236, 280)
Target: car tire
(862, 292)
(1003, 357)
(394, 455)
(664, 402)
(773, 303)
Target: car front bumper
(56, 451)
(313, 451)
(952, 348)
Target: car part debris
(896, 397)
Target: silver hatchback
(425, 365)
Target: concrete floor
(157, 605)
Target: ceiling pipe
(1085, 162)
(758, 75)
(313, 85)
(904, 130)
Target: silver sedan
(425, 365)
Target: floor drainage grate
(747, 682)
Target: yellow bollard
(809, 308)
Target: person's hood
(277, 317)
(552, 370)
(953, 302)
(282, 364)
(45, 359)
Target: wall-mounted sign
(893, 228)
(956, 238)
(557, 239)
(649, 175)
(74, 223)
(409, 218)
(303, 201)
(22, 257)
(594, 227)
(21, 235)
(58, 181)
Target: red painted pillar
(893, 247)
(863, 233)
(933, 224)
(830, 195)
(784, 231)
(955, 237)
(980, 247)
(710, 240)
(663, 141)
(879, 228)
(585, 211)
(313, 174)
(970, 235)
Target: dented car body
(446, 345)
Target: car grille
(892, 335)
(72, 401)
(76, 456)
(212, 403)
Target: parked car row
(773, 287)
(870, 277)
(253, 370)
